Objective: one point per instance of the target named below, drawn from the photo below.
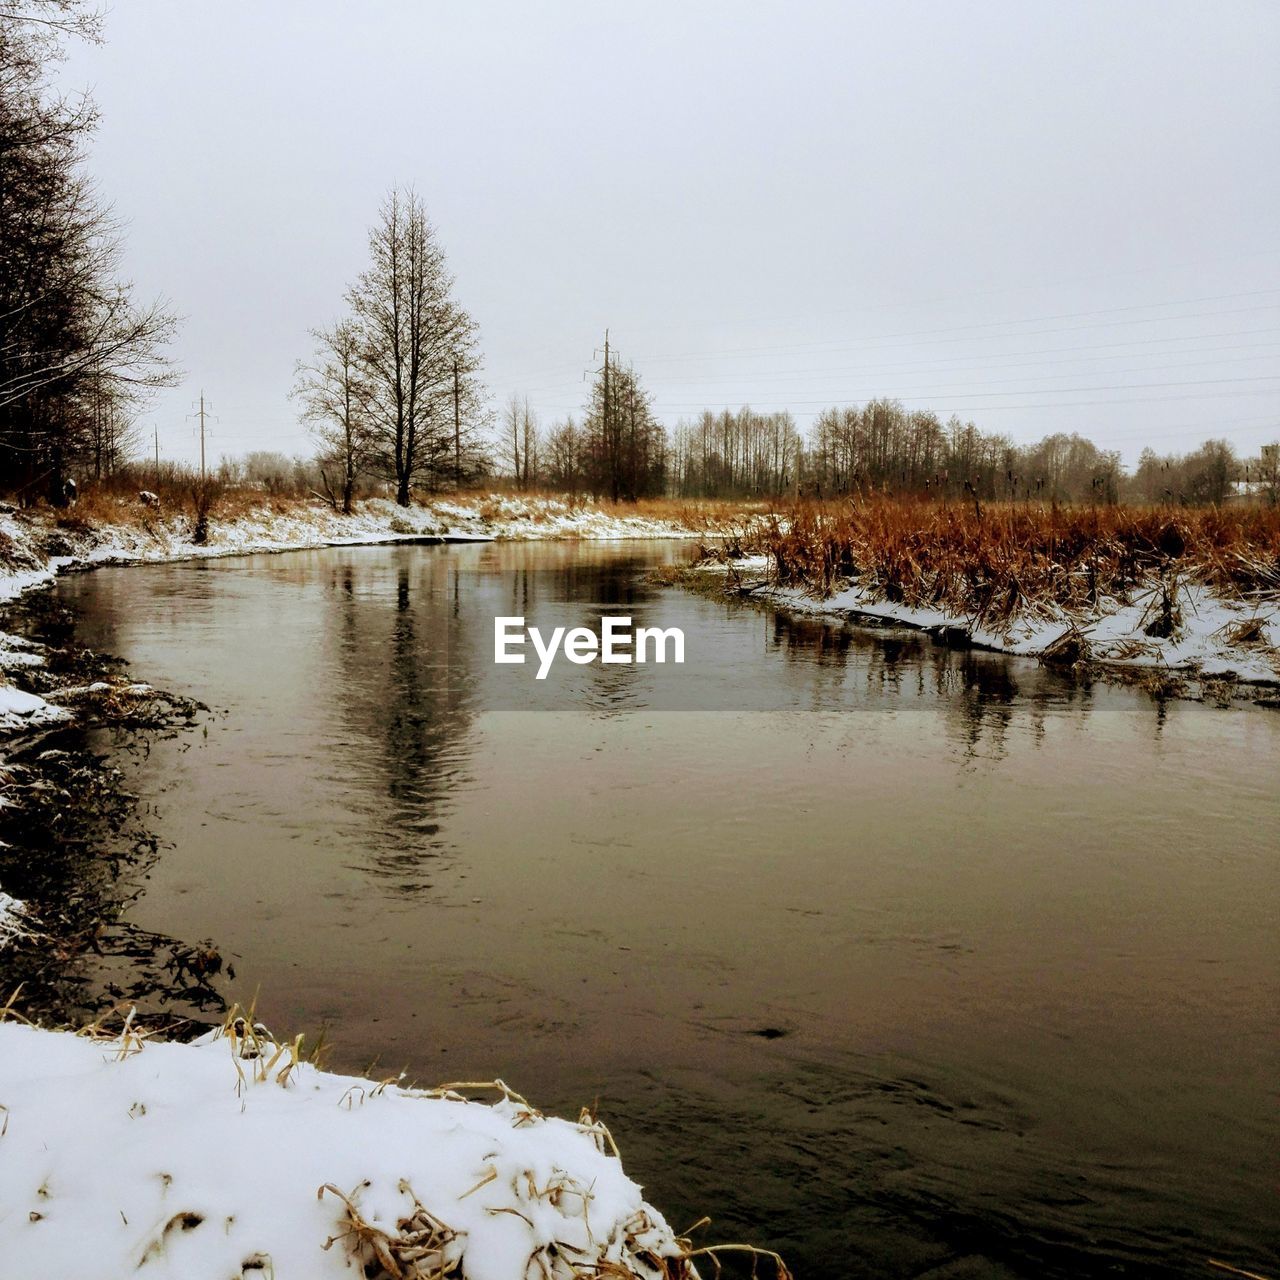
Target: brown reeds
(1010, 560)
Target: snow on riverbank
(34, 547)
(20, 711)
(14, 922)
(228, 1158)
(1211, 637)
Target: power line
(811, 374)
(968, 295)
(967, 332)
(1106, 346)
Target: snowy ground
(1213, 637)
(144, 535)
(33, 549)
(232, 1160)
(14, 924)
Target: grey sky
(785, 205)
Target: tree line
(850, 450)
(618, 451)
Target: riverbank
(1159, 595)
(234, 1156)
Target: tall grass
(1004, 560)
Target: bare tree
(333, 393)
(418, 346)
(564, 458)
(511, 427)
(531, 438)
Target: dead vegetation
(1005, 561)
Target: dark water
(899, 960)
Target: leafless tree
(418, 346)
(333, 393)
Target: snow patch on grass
(21, 711)
(232, 1158)
(15, 923)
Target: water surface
(900, 960)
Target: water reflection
(1017, 928)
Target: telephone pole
(155, 431)
(457, 429)
(202, 438)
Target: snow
(144, 535)
(20, 711)
(1203, 643)
(127, 1157)
(14, 920)
(14, 583)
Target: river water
(900, 960)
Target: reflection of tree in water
(407, 685)
(985, 694)
(584, 591)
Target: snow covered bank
(1207, 635)
(33, 547)
(20, 711)
(230, 1158)
(14, 922)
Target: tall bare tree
(413, 336)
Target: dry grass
(422, 1246)
(1007, 560)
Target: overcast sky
(1043, 216)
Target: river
(900, 960)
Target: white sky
(1046, 216)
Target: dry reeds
(1010, 560)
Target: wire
(966, 331)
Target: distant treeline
(877, 448)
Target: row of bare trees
(78, 351)
(391, 389)
(878, 447)
(736, 455)
(619, 451)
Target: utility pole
(202, 439)
(605, 430)
(457, 429)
